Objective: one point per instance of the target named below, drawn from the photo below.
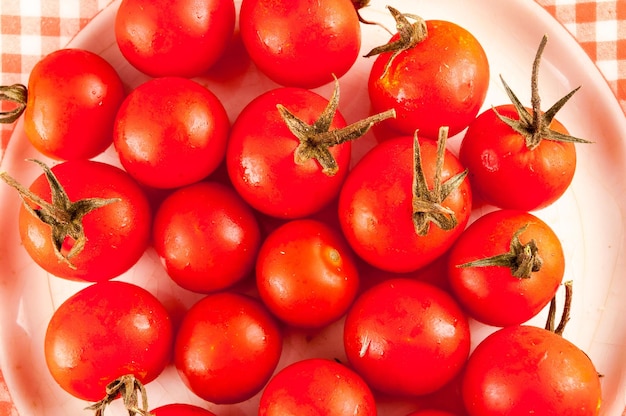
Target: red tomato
(261, 164)
(301, 43)
(85, 244)
(376, 206)
(227, 347)
(317, 386)
(506, 173)
(105, 331)
(73, 96)
(526, 274)
(522, 370)
(183, 38)
(406, 337)
(206, 236)
(171, 132)
(440, 81)
(306, 274)
(431, 412)
(180, 409)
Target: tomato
(206, 236)
(170, 132)
(305, 274)
(103, 332)
(380, 209)
(260, 156)
(431, 412)
(303, 43)
(406, 337)
(317, 386)
(73, 96)
(184, 38)
(180, 409)
(520, 158)
(523, 270)
(227, 347)
(441, 80)
(522, 370)
(95, 227)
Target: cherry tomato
(105, 331)
(431, 412)
(95, 228)
(406, 337)
(440, 80)
(227, 347)
(522, 370)
(180, 409)
(206, 236)
(317, 386)
(506, 267)
(306, 274)
(301, 43)
(73, 96)
(185, 38)
(377, 209)
(170, 132)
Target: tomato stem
(16, 93)
(127, 387)
(522, 259)
(427, 204)
(358, 5)
(565, 316)
(64, 216)
(317, 138)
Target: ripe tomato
(431, 412)
(95, 228)
(185, 38)
(103, 332)
(227, 347)
(317, 386)
(305, 274)
(301, 43)
(73, 96)
(206, 236)
(441, 80)
(406, 337)
(522, 370)
(506, 267)
(380, 207)
(180, 409)
(171, 132)
(261, 164)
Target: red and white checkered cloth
(30, 29)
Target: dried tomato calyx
(64, 217)
(410, 34)
(316, 139)
(358, 5)
(535, 126)
(17, 94)
(128, 388)
(427, 203)
(565, 315)
(522, 259)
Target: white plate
(589, 218)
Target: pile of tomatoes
(268, 218)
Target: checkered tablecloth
(30, 29)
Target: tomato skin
(73, 96)
(505, 173)
(206, 236)
(317, 386)
(442, 81)
(180, 409)
(395, 339)
(227, 347)
(185, 38)
(375, 207)
(260, 162)
(127, 331)
(431, 412)
(170, 132)
(533, 371)
(306, 275)
(278, 35)
(117, 234)
(492, 294)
